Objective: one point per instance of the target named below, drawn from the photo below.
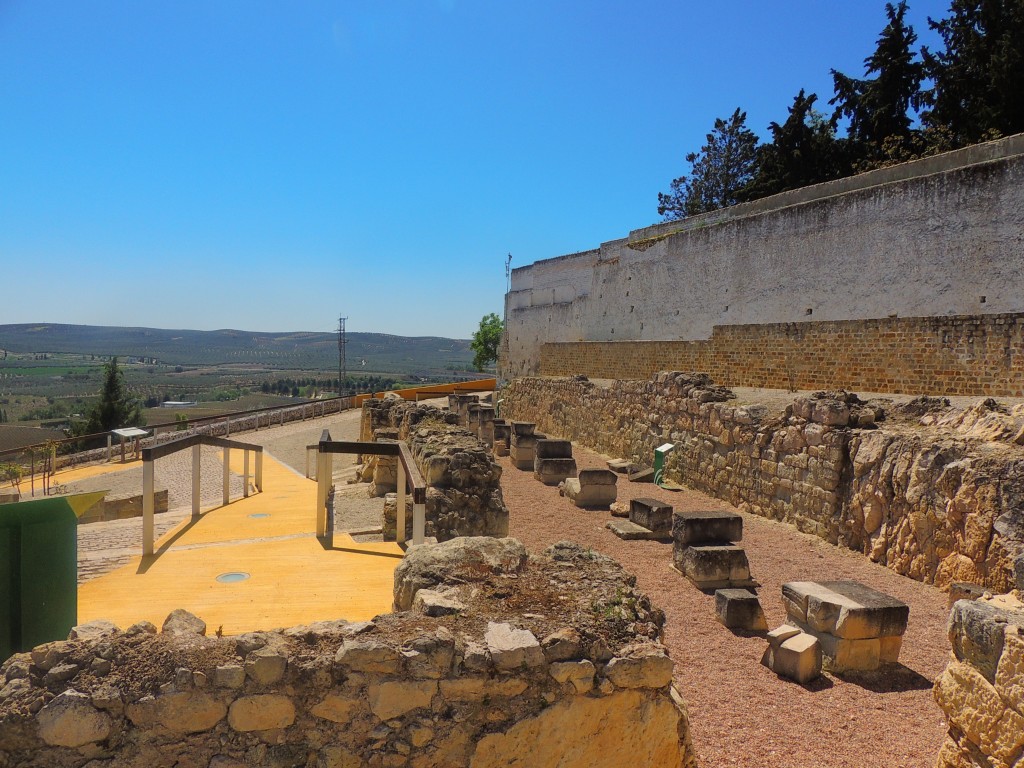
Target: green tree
(117, 407)
(804, 151)
(978, 79)
(12, 473)
(879, 108)
(724, 165)
(486, 340)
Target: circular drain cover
(260, 514)
(232, 576)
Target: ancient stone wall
(474, 670)
(463, 481)
(964, 355)
(981, 691)
(929, 497)
(929, 239)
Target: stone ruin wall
(934, 505)
(463, 481)
(964, 355)
(981, 691)
(467, 673)
(937, 238)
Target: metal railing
(408, 475)
(65, 455)
(195, 442)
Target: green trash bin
(38, 573)
(659, 461)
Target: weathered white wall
(941, 236)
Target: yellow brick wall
(957, 355)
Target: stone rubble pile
(475, 685)
(464, 492)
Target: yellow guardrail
(433, 390)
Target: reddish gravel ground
(742, 714)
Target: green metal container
(38, 573)
(659, 462)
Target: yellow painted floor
(291, 580)
(74, 474)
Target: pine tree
(724, 165)
(804, 151)
(879, 108)
(978, 79)
(117, 408)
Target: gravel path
(741, 713)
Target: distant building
(178, 403)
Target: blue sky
(267, 166)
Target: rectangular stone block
(714, 566)
(798, 657)
(554, 449)
(889, 648)
(522, 449)
(589, 496)
(780, 634)
(740, 609)
(621, 466)
(707, 527)
(644, 475)
(652, 514)
(845, 655)
(848, 609)
(553, 471)
(597, 477)
(628, 531)
(522, 427)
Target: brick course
(955, 355)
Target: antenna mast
(342, 363)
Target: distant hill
(298, 350)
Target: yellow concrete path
(74, 474)
(291, 580)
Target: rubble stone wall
(981, 691)
(478, 685)
(963, 355)
(463, 481)
(933, 506)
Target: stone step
(621, 466)
(645, 475)
(652, 514)
(628, 531)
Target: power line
(342, 363)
